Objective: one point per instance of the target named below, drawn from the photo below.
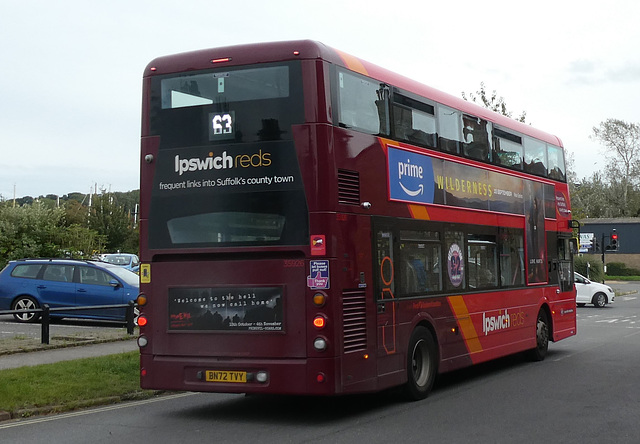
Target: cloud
(627, 73)
(587, 72)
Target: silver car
(589, 292)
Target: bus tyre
(542, 337)
(422, 364)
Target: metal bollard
(130, 316)
(45, 324)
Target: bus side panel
(358, 308)
(350, 309)
(563, 316)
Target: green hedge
(620, 269)
(596, 273)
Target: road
(586, 391)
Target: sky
(71, 71)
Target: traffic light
(596, 244)
(614, 240)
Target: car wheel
(25, 303)
(422, 364)
(599, 300)
(542, 337)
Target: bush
(620, 269)
(596, 272)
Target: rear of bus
(225, 225)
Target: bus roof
(308, 49)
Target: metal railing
(46, 312)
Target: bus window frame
(393, 227)
(511, 140)
(337, 99)
(469, 148)
(533, 147)
(408, 101)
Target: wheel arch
(545, 307)
(424, 320)
(22, 295)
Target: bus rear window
(225, 227)
(235, 104)
(223, 87)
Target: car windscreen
(117, 259)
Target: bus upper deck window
(449, 131)
(556, 163)
(535, 157)
(476, 134)
(363, 103)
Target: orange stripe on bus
(469, 333)
(353, 63)
(419, 212)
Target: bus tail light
(320, 377)
(142, 341)
(142, 321)
(141, 299)
(319, 321)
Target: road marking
(91, 411)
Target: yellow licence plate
(225, 376)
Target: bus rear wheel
(422, 364)
(542, 337)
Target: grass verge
(68, 385)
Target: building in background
(619, 238)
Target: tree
(622, 144)
(75, 213)
(81, 242)
(41, 228)
(597, 197)
(28, 231)
(589, 198)
(38, 231)
(110, 219)
(494, 103)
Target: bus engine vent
(354, 320)
(348, 187)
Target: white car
(592, 292)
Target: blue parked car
(29, 283)
(125, 260)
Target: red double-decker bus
(314, 224)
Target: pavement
(50, 356)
